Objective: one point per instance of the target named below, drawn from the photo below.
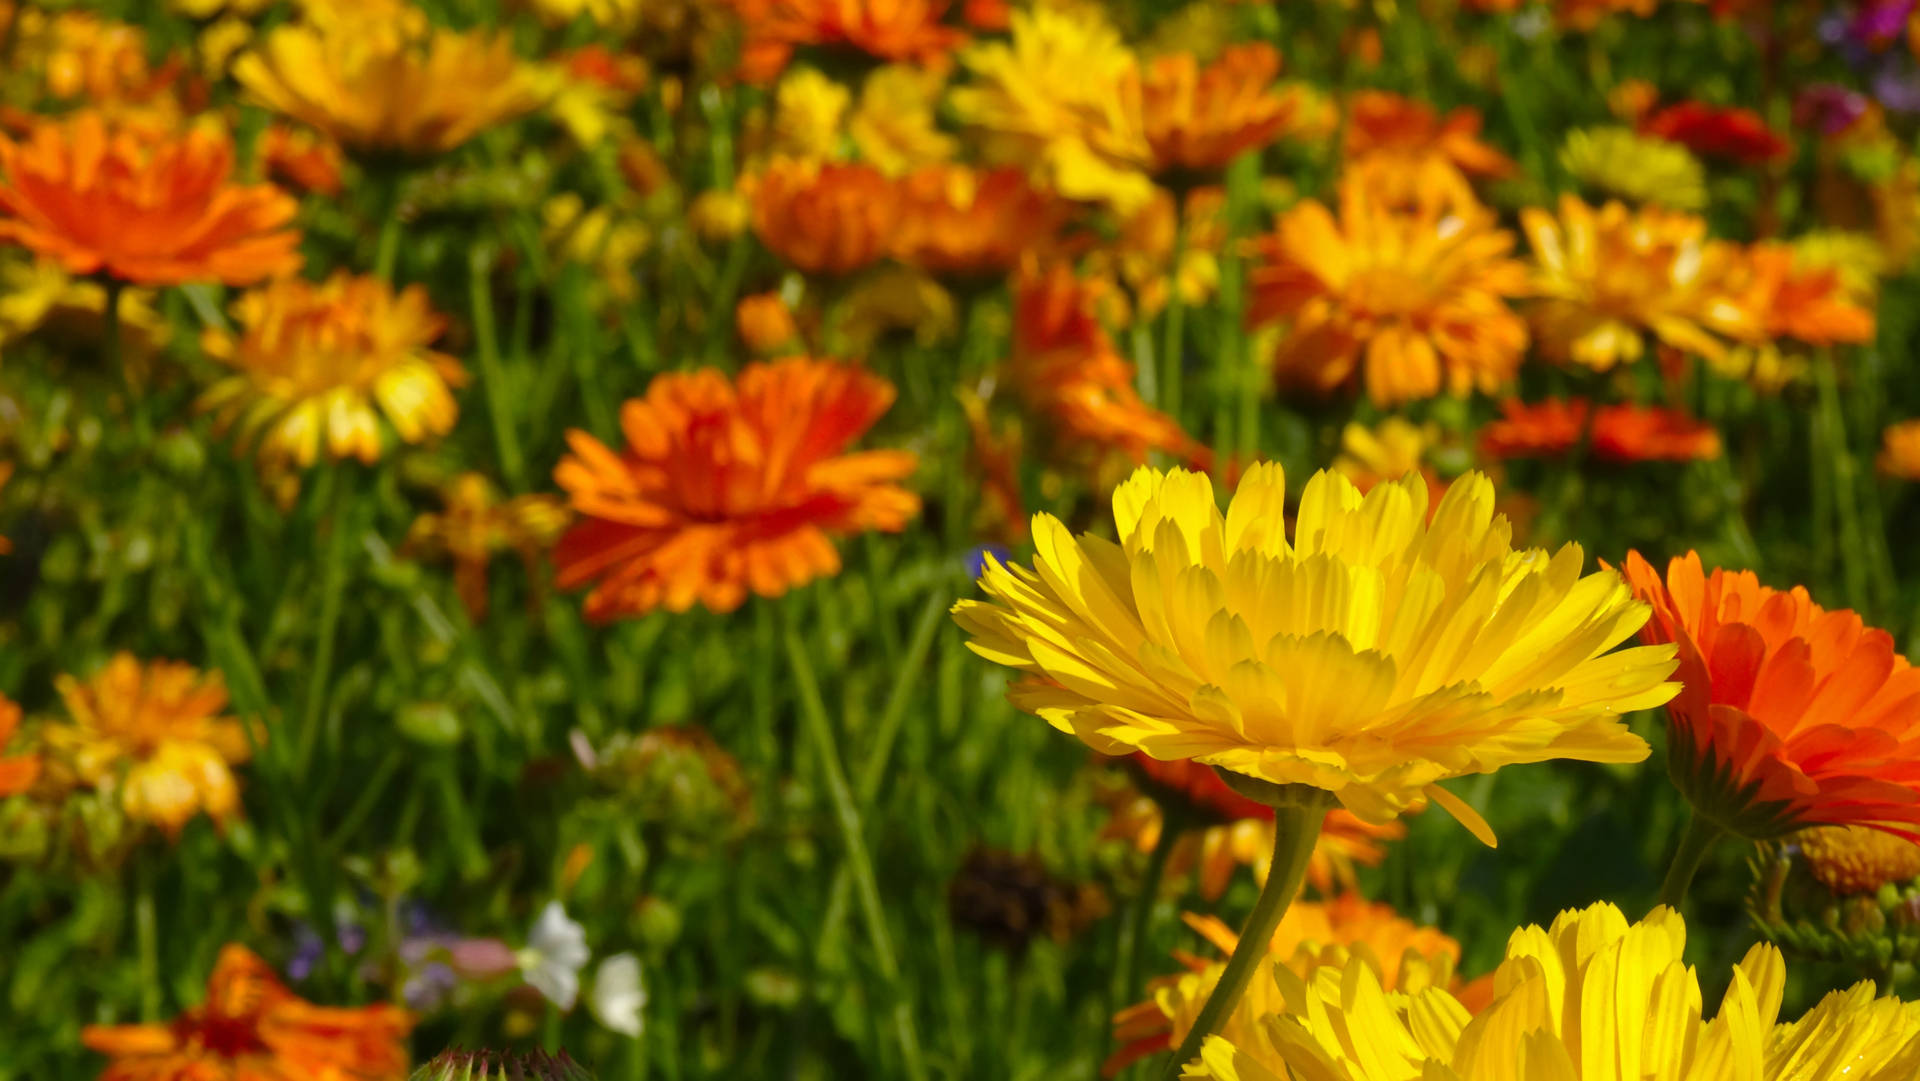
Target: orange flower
(956, 220)
(1620, 433)
(302, 159)
(1810, 304)
(1718, 132)
(477, 524)
(824, 218)
(765, 323)
(889, 29)
(1200, 119)
(1900, 450)
(251, 1028)
(1587, 14)
(146, 209)
(18, 772)
(729, 486)
(1791, 715)
(1420, 300)
(1412, 156)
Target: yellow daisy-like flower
(807, 110)
(1592, 998)
(1373, 656)
(38, 296)
(1639, 168)
(599, 237)
(894, 125)
(318, 365)
(1856, 859)
(477, 524)
(378, 86)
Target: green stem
(146, 932)
(1172, 347)
(1296, 826)
(1133, 946)
(1846, 487)
(487, 345)
(332, 584)
(386, 250)
(1695, 843)
(1236, 425)
(846, 815)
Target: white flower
(618, 996)
(556, 951)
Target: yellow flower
(1392, 449)
(377, 87)
(618, 15)
(477, 524)
(895, 298)
(207, 9)
(807, 111)
(38, 296)
(1593, 998)
(1856, 859)
(894, 126)
(600, 238)
(152, 736)
(1372, 657)
(1062, 97)
(321, 363)
(1639, 168)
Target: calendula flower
(1853, 859)
(593, 89)
(316, 366)
(41, 298)
(1729, 132)
(1791, 296)
(1592, 997)
(477, 525)
(765, 323)
(615, 15)
(1638, 168)
(251, 1027)
(1387, 451)
(1618, 433)
(894, 126)
(824, 218)
(807, 110)
(1410, 304)
(1608, 276)
(729, 486)
(1412, 156)
(152, 736)
(141, 207)
(894, 300)
(19, 771)
(1900, 450)
(302, 159)
(1631, 99)
(377, 88)
(1061, 98)
(1199, 119)
(1142, 254)
(888, 29)
(600, 237)
(1366, 658)
(79, 58)
(1587, 14)
(956, 220)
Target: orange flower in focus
(726, 487)
(1419, 300)
(1411, 156)
(302, 159)
(1199, 119)
(251, 1028)
(765, 323)
(1620, 433)
(18, 772)
(143, 208)
(1809, 304)
(888, 29)
(824, 218)
(956, 220)
(1900, 450)
(1710, 131)
(1790, 715)
(476, 525)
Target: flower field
(959, 539)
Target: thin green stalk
(147, 934)
(386, 252)
(333, 577)
(1695, 843)
(1134, 936)
(1296, 825)
(906, 680)
(110, 353)
(1173, 345)
(1832, 425)
(846, 815)
(487, 344)
(1238, 385)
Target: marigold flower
(1419, 300)
(151, 735)
(1789, 296)
(1587, 14)
(301, 159)
(1792, 715)
(888, 29)
(477, 524)
(377, 88)
(807, 110)
(824, 218)
(319, 365)
(1718, 132)
(601, 237)
(39, 297)
(1199, 119)
(104, 199)
(1142, 254)
(17, 772)
(894, 126)
(1620, 433)
(1853, 859)
(1302, 682)
(765, 323)
(1900, 450)
(727, 487)
(956, 220)
(251, 1027)
(1639, 168)
(1607, 275)
(1413, 156)
(82, 59)
(1632, 99)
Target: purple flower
(1879, 21)
(1829, 108)
(1897, 86)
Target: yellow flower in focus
(808, 108)
(152, 737)
(600, 238)
(1062, 97)
(1639, 168)
(317, 365)
(1900, 450)
(1608, 276)
(377, 88)
(894, 126)
(477, 524)
(1855, 859)
(1372, 656)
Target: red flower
(1621, 433)
(1718, 132)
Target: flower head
(17, 772)
(1900, 450)
(824, 218)
(1414, 157)
(888, 29)
(1200, 118)
(141, 207)
(1789, 295)
(729, 486)
(1619, 433)
(477, 524)
(317, 365)
(619, 998)
(1372, 656)
(1718, 132)
(956, 220)
(1853, 859)
(555, 953)
(894, 126)
(252, 1027)
(1792, 715)
(1639, 168)
(1414, 304)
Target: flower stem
(1695, 843)
(487, 344)
(1134, 946)
(386, 250)
(146, 932)
(332, 585)
(1173, 346)
(1296, 826)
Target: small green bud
(431, 723)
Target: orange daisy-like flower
(729, 486)
(17, 772)
(888, 29)
(956, 220)
(1587, 14)
(1412, 156)
(142, 207)
(1419, 300)
(824, 218)
(1900, 450)
(1713, 131)
(477, 524)
(251, 1028)
(153, 735)
(1809, 304)
(1790, 715)
(302, 159)
(1199, 119)
(1620, 433)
